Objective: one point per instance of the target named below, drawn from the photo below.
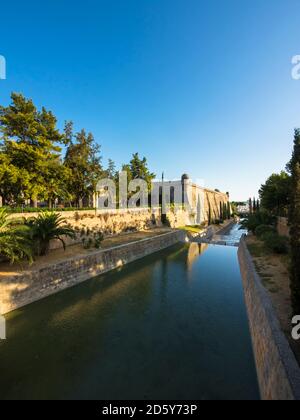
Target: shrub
(276, 243)
(257, 219)
(15, 244)
(46, 227)
(262, 230)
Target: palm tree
(15, 244)
(48, 226)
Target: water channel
(170, 326)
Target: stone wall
(112, 222)
(212, 202)
(277, 368)
(17, 291)
(283, 227)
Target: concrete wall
(282, 226)
(277, 368)
(17, 291)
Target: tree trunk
(34, 203)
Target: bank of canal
(170, 326)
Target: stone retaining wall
(277, 368)
(17, 291)
(113, 222)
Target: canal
(171, 326)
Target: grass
(258, 249)
(192, 229)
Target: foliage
(138, 169)
(30, 152)
(276, 243)
(93, 241)
(14, 241)
(262, 230)
(48, 226)
(294, 220)
(111, 171)
(274, 194)
(256, 219)
(84, 162)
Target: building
(202, 204)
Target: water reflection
(171, 326)
(194, 252)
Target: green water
(171, 326)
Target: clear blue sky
(202, 87)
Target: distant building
(243, 208)
(202, 203)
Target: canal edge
(31, 286)
(277, 368)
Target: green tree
(209, 213)
(250, 206)
(274, 194)
(258, 206)
(221, 211)
(138, 169)
(84, 163)
(47, 227)
(294, 220)
(14, 241)
(111, 170)
(31, 144)
(228, 210)
(225, 212)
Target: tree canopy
(38, 162)
(294, 221)
(274, 194)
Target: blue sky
(202, 87)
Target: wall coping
(90, 254)
(27, 287)
(287, 359)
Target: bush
(257, 219)
(46, 227)
(262, 230)
(276, 243)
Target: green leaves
(15, 244)
(294, 221)
(83, 161)
(274, 194)
(30, 152)
(46, 227)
